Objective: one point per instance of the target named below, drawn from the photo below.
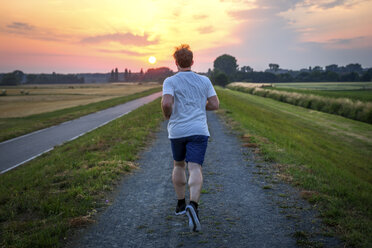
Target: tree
(112, 76)
(226, 63)
(317, 68)
(116, 75)
(12, 78)
(354, 68)
(220, 78)
(332, 67)
(246, 69)
(274, 67)
(366, 77)
(126, 75)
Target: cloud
(30, 31)
(20, 26)
(328, 4)
(199, 17)
(122, 38)
(251, 14)
(122, 51)
(206, 30)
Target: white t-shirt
(190, 91)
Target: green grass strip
(327, 154)
(13, 127)
(42, 200)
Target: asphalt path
(17, 151)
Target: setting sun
(152, 60)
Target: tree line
(18, 77)
(151, 75)
(226, 69)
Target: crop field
(352, 108)
(354, 91)
(21, 101)
(11, 127)
(327, 85)
(327, 155)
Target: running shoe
(180, 209)
(194, 222)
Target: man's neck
(184, 69)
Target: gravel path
(235, 209)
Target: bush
(220, 78)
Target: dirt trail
(235, 209)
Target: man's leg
(195, 181)
(179, 179)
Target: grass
(43, 200)
(361, 95)
(13, 127)
(356, 109)
(38, 99)
(322, 153)
(327, 85)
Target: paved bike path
(235, 209)
(22, 149)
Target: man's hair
(183, 55)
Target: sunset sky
(95, 36)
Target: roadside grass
(13, 127)
(325, 154)
(42, 201)
(357, 110)
(327, 85)
(361, 95)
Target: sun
(152, 60)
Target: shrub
(3, 93)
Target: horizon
(94, 37)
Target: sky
(76, 36)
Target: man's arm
(212, 103)
(166, 105)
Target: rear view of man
(186, 97)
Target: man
(186, 97)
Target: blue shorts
(190, 149)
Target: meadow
(326, 85)
(42, 201)
(361, 91)
(66, 102)
(327, 156)
(25, 100)
(350, 108)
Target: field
(43, 200)
(327, 85)
(327, 155)
(321, 100)
(15, 126)
(47, 98)
(355, 91)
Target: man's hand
(212, 103)
(166, 105)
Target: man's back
(190, 92)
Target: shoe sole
(180, 213)
(194, 223)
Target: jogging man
(186, 97)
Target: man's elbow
(166, 105)
(216, 106)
